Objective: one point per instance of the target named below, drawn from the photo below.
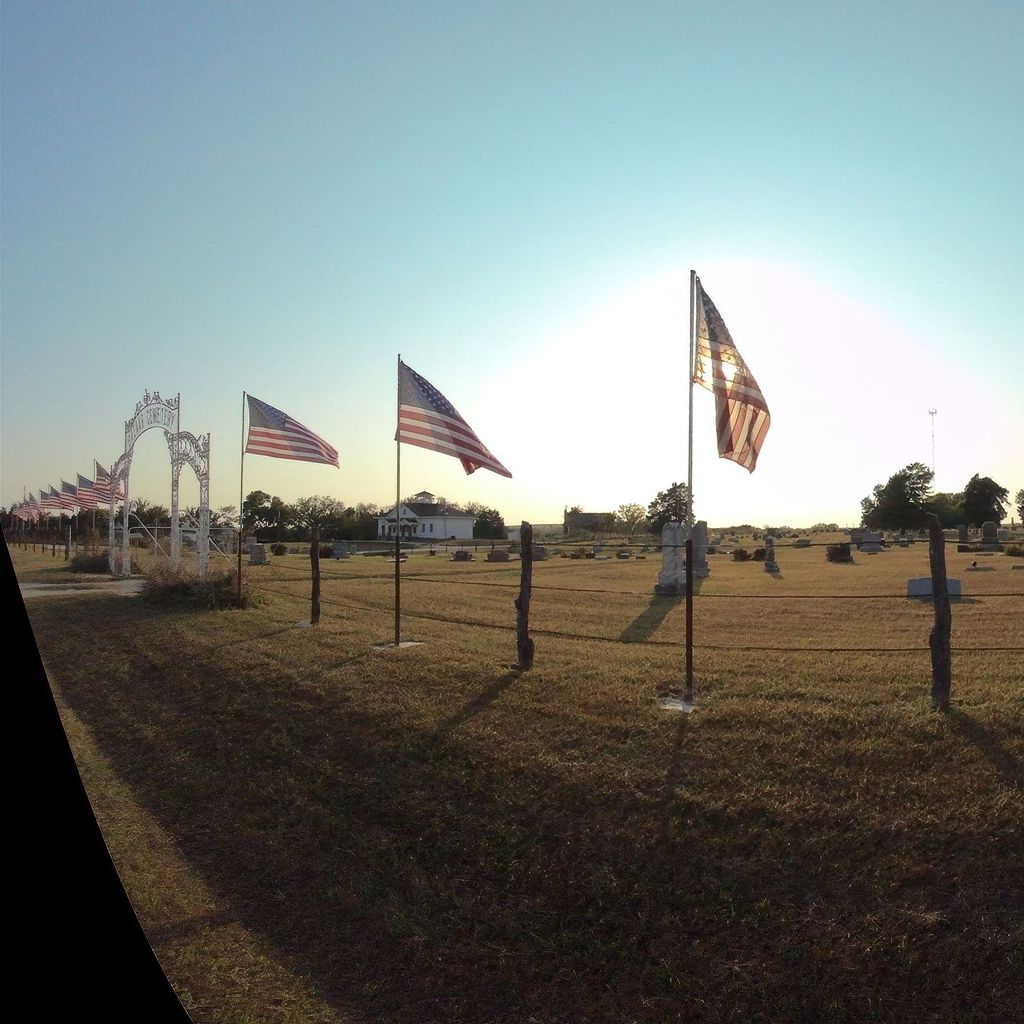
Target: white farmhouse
(424, 519)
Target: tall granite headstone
(770, 565)
(672, 578)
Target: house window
(431, 527)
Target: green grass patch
(314, 830)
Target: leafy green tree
(489, 525)
(149, 513)
(670, 506)
(899, 503)
(630, 516)
(983, 501)
(319, 510)
(257, 512)
(948, 507)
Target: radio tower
(932, 412)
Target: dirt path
(128, 587)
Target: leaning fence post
(524, 645)
(938, 639)
(314, 559)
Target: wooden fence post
(524, 645)
(938, 639)
(314, 558)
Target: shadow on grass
(648, 621)
(506, 877)
(489, 695)
(990, 747)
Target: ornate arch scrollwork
(187, 449)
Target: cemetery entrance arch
(184, 447)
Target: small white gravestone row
(922, 587)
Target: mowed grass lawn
(313, 830)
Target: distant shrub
(741, 555)
(279, 549)
(759, 554)
(90, 563)
(838, 553)
(1016, 550)
(165, 585)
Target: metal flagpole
(688, 690)
(241, 477)
(398, 502)
(689, 373)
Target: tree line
(900, 503)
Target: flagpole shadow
(647, 622)
(486, 697)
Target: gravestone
(922, 587)
(462, 555)
(624, 554)
(672, 578)
(770, 565)
(341, 549)
(962, 533)
(497, 556)
(803, 542)
(990, 537)
(870, 543)
(700, 549)
(248, 543)
(540, 554)
(258, 554)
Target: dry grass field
(314, 830)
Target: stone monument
(700, 549)
(770, 565)
(990, 537)
(672, 578)
(340, 549)
(258, 554)
(962, 533)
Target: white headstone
(672, 578)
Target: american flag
(49, 500)
(275, 433)
(427, 419)
(68, 495)
(88, 496)
(102, 485)
(740, 409)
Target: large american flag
(427, 419)
(275, 433)
(740, 409)
(103, 485)
(68, 496)
(88, 497)
(49, 500)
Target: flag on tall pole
(427, 419)
(274, 433)
(741, 413)
(68, 496)
(87, 494)
(104, 485)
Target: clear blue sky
(207, 198)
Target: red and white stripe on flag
(428, 420)
(741, 412)
(274, 433)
